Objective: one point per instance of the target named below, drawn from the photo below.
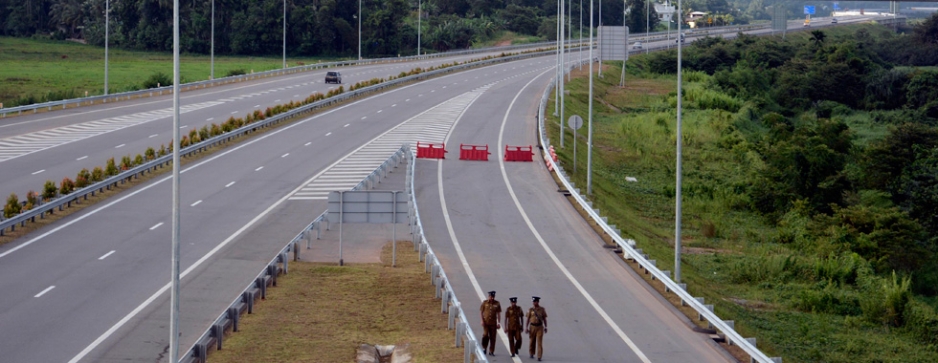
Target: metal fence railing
(82, 194)
(705, 312)
(62, 104)
(473, 352)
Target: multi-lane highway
(92, 288)
(49, 146)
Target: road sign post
(575, 123)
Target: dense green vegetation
(810, 184)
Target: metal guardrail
(244, 302)
(705, 312)
(444, 290)
(246, 77)
(83, 193)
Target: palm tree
(817, 37)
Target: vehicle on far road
(637, 45)
(833, 20)
(333, 77)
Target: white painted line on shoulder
(45, 291)
(259, 168)
(307, 144)
(407, 100)
(154, 135)
(328, 133)
(379, 111)
(119, 146)
(394, 105)
(364, 117)
(82, 158)
(183, 126)
(256, 106)
(285, 155)
(277, 100)
(346, 125)
(34, 173)
(156, 226)
(229, 184)
(234, 112)
(106, 254)
(210, 119)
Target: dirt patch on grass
(503, 43)
(321, 312)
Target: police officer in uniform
(537, 327)
(514, 321)
(491, 311)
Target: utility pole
(677, 194)
(284, 34)
(174, 291)
(589, 146)
(107, 15)
(359, 29)
(419, 16)
(212, 74)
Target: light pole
(107, 15)
(677, 194)
(589, 139)
(600, 42)
(557, 63)
(647, 24)
(284, 33)
(562, 54)
(212, 52)
(174, 291)
(419, 15)
(581, 36)
(359, 29)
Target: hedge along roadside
(161, 161)
(252, 76)
(705, 311)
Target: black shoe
(512, 354)
(539, 359)
(532, 356)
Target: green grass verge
(725, 245)
(321, 312)
(47, 69)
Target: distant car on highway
(833, 20)
(333, 77)
(637, 45)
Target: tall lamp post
(174, 272)
(589, 139)
(107, 15)
(359, 29)
(419, 15)
(677, 194)
(284, 33)
(212, 72)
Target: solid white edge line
(452, 233)
(196, 203)
(229, 184)
(156, 226)
(45, 291)
(560, 265)
(106, 254)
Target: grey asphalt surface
(504, 254)
(149, 121)
(110, 306)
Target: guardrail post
(460, 328)
(451, 319)
(296, 251)
(470, 347)
(218, 330)
(445, 300)
(732, 325)
(283, 258)
(700, 316)
(235, 316)
(433, 273)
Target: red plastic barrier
(431, 151)
(474, 152)
(519, 153)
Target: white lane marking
(452, 233)
(119, 146)
(234, 112)
(394, 105)
(156, 226)
(285, 155)
(154, 135)
(256, 106)
(45, 291)
(379, 111)
(277, 100)
(364, 117)
(183, 126)
(259, 168)
(229, 184)
(210, 119)
(196, 203)
(106, 254)
(307, 144)
(34, 173)
(420, 95)
(82, 158)
(527, 221)
(328, 133)
(346, 125)
(407, 100)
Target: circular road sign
(575, 122)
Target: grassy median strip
(321, 312)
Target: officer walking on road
(537, 327)
(514, 321)
(491, 313)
